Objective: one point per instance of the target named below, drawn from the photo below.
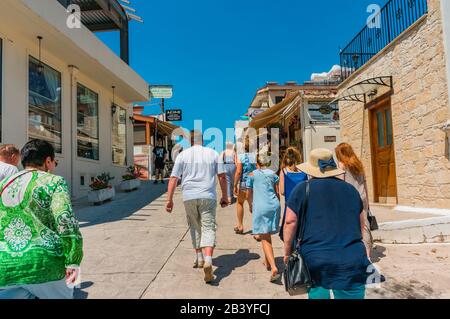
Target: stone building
(394, 103)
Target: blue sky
(216, 53)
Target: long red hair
(346, 155)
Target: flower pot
(130, 185)
(100, 196)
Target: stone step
(415, 231)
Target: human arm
(173, 182)
(67, 228)
(281, 187)
(289, 232)
(223, 187)
(237, 175)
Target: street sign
(174, 115)
(161, 91)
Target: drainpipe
(73, 70)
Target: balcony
(393, 19)
(104, 15)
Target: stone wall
(420, 101)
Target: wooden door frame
(371, 107)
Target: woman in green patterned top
(40, 242)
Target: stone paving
(134, 249)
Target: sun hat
(321, 164)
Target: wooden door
(383, 155)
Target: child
(264, 192)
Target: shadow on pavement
(227, 263)
(123, 206)
(378, 253)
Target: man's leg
(193, 219)
(207, 211)
(51, 290)
(156, 176)
(16, 293)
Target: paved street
(133, 249)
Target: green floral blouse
(39, 235)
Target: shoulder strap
(13, 180)
(302, 219)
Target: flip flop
(257, 239)
(238, 231)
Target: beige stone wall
(420, 101)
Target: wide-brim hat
(321, 164)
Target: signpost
(174, 115)
(161, 91)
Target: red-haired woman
(352, 165)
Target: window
(380, 125)
(279, 99)
(44, 118)
(119, 135)
(87, 123)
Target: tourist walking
(9, 160)
(266, 213)
(229, 157)
(332, 246)
(245, 164)
(40, 242)
(354, 174)
(199, 166)
(290, 177)
(160, 153)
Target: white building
(64, 94)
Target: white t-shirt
(198, 167)
(7, 170)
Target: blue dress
(266, 206)
(248, 161)
(291, 180)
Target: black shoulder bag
(297, 279)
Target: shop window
(44, 104)
(87, 123)
(119, 136)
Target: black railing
(394, 18)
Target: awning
(166, 128)
(276, 112)
(359, 91)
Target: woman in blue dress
(290, 177)
(266, 213)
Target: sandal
(238, 231)
(257, 239)
(275, 278)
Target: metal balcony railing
(394, 18)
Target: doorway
(383, 154)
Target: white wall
(445, 6)
(16, 51)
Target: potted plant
(101, 189)
(131, 181)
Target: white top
(198, 167)
(7, 170)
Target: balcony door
(383, 154)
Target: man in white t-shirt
(9, 161)
(198, 166)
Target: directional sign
(161, 91)
(173, 115)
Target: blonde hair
(263, 159)
(8, 150)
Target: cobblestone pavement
(134, 249)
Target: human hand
(236, 191)
(224, 202)
(169, 206)
(285, 259)
(72, 276)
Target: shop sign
(322, 112)
(174, 115)
(161, 91)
